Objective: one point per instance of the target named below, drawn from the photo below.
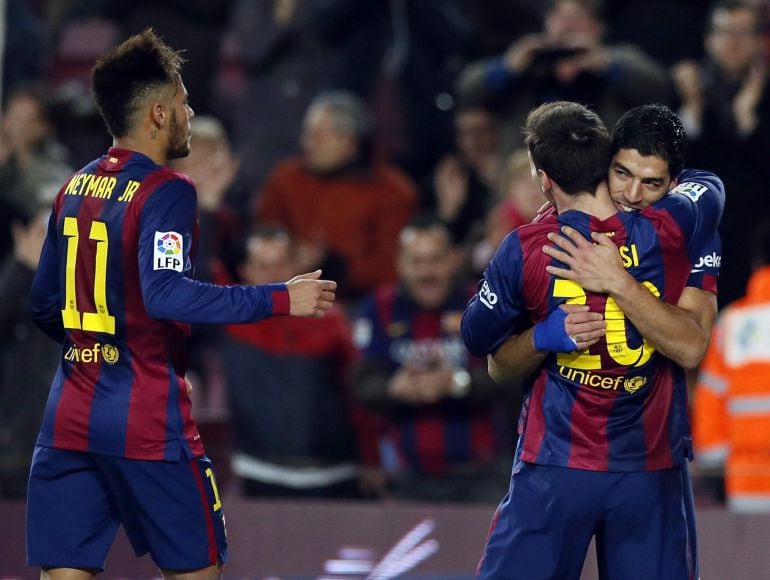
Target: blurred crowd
(379, 141)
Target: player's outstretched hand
(309, 295)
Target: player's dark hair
(570, 143)
(652, 130)
(122, 79)
(760, 243)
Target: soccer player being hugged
(604, 433)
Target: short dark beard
(179, 144)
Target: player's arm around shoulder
(697, 202)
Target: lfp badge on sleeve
(168, 254)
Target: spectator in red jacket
(294, 429)
(341, 203)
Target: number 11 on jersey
(101, 320)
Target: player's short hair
(570, 143)
(652, 130)
(126, 76)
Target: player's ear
(546, 184)
(159, 114)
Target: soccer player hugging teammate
(118, 444)
(604, 433)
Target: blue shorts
(543, 527)
(76, 501)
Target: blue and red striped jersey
(620, 405)
(430, 438)
(113, 286)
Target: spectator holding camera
(725, 107)
(566, 61)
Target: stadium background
(277, 539)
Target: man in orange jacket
(732, 396)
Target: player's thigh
(645, 531)
(67, 574)
(543, 527)
(210, 573)
(171, 510)
(71, 518)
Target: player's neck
(151, 148)
(596, 204)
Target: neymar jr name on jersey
(99, 186)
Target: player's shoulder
(535, 231)
(694, 183)
(169, 182)
(517, 242)
(695, 203)
(694, 187)
(169, 175)
(546, 214)
(163, 187)
(90, 167)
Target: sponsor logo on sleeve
(169, 251)
(692, 190)
(712, 260)
(486, 296)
